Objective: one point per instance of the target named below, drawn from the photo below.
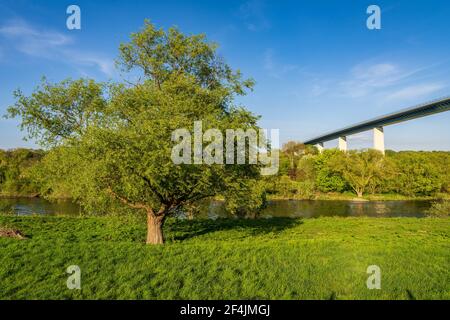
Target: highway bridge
(377, 124)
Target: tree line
(304, 172)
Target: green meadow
(282, 258)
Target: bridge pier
(378, 139)
(343, 143)
(320, 147)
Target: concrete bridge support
(378, 139)
(320, 147)
(343, 143)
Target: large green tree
(112, 144)
(359, 168)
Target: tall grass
(226, 259)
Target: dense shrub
(439, 209)
(328, 178)
(15, 166)
(418, 173)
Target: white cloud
(379, 83)
(31, 41)
(369, 79)
(376, 75)
(24, 31)
(105, 65)
(52, 45)
(416, 91)
(387, 82)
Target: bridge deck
(422, 110)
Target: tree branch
(150, 185)
(129, 203)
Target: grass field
(323, 258)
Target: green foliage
(161, 55)
(112, 144)
(420, 173)
(15, 168)
(226, 259)
(284, 165)
(287, 188)
(306, 170)
(32, 175)
(407, 174)
(328, 177)
(57, 112)
(359, 168)
(439, 209)
(305, 189)
(293, 151)
(410, 174)
(248, 199)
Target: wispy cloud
(275, 69)
(381, 81)
(253, 14)
(415, 91)
(52, 45)
(366, 79)
(105, 65)
(32, 41)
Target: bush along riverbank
(407, 175)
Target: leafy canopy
(112, 142)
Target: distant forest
(304, 174)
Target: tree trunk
(359, 193)
(154, 229)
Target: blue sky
(316, 65)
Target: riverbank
(8, 195)
(226, 259)
(369, 197)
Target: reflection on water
(278, 208)
(29, 206)
(317, 208)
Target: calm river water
(278, 208)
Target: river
(276, 208)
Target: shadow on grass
(410, 295)
(187, 229)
